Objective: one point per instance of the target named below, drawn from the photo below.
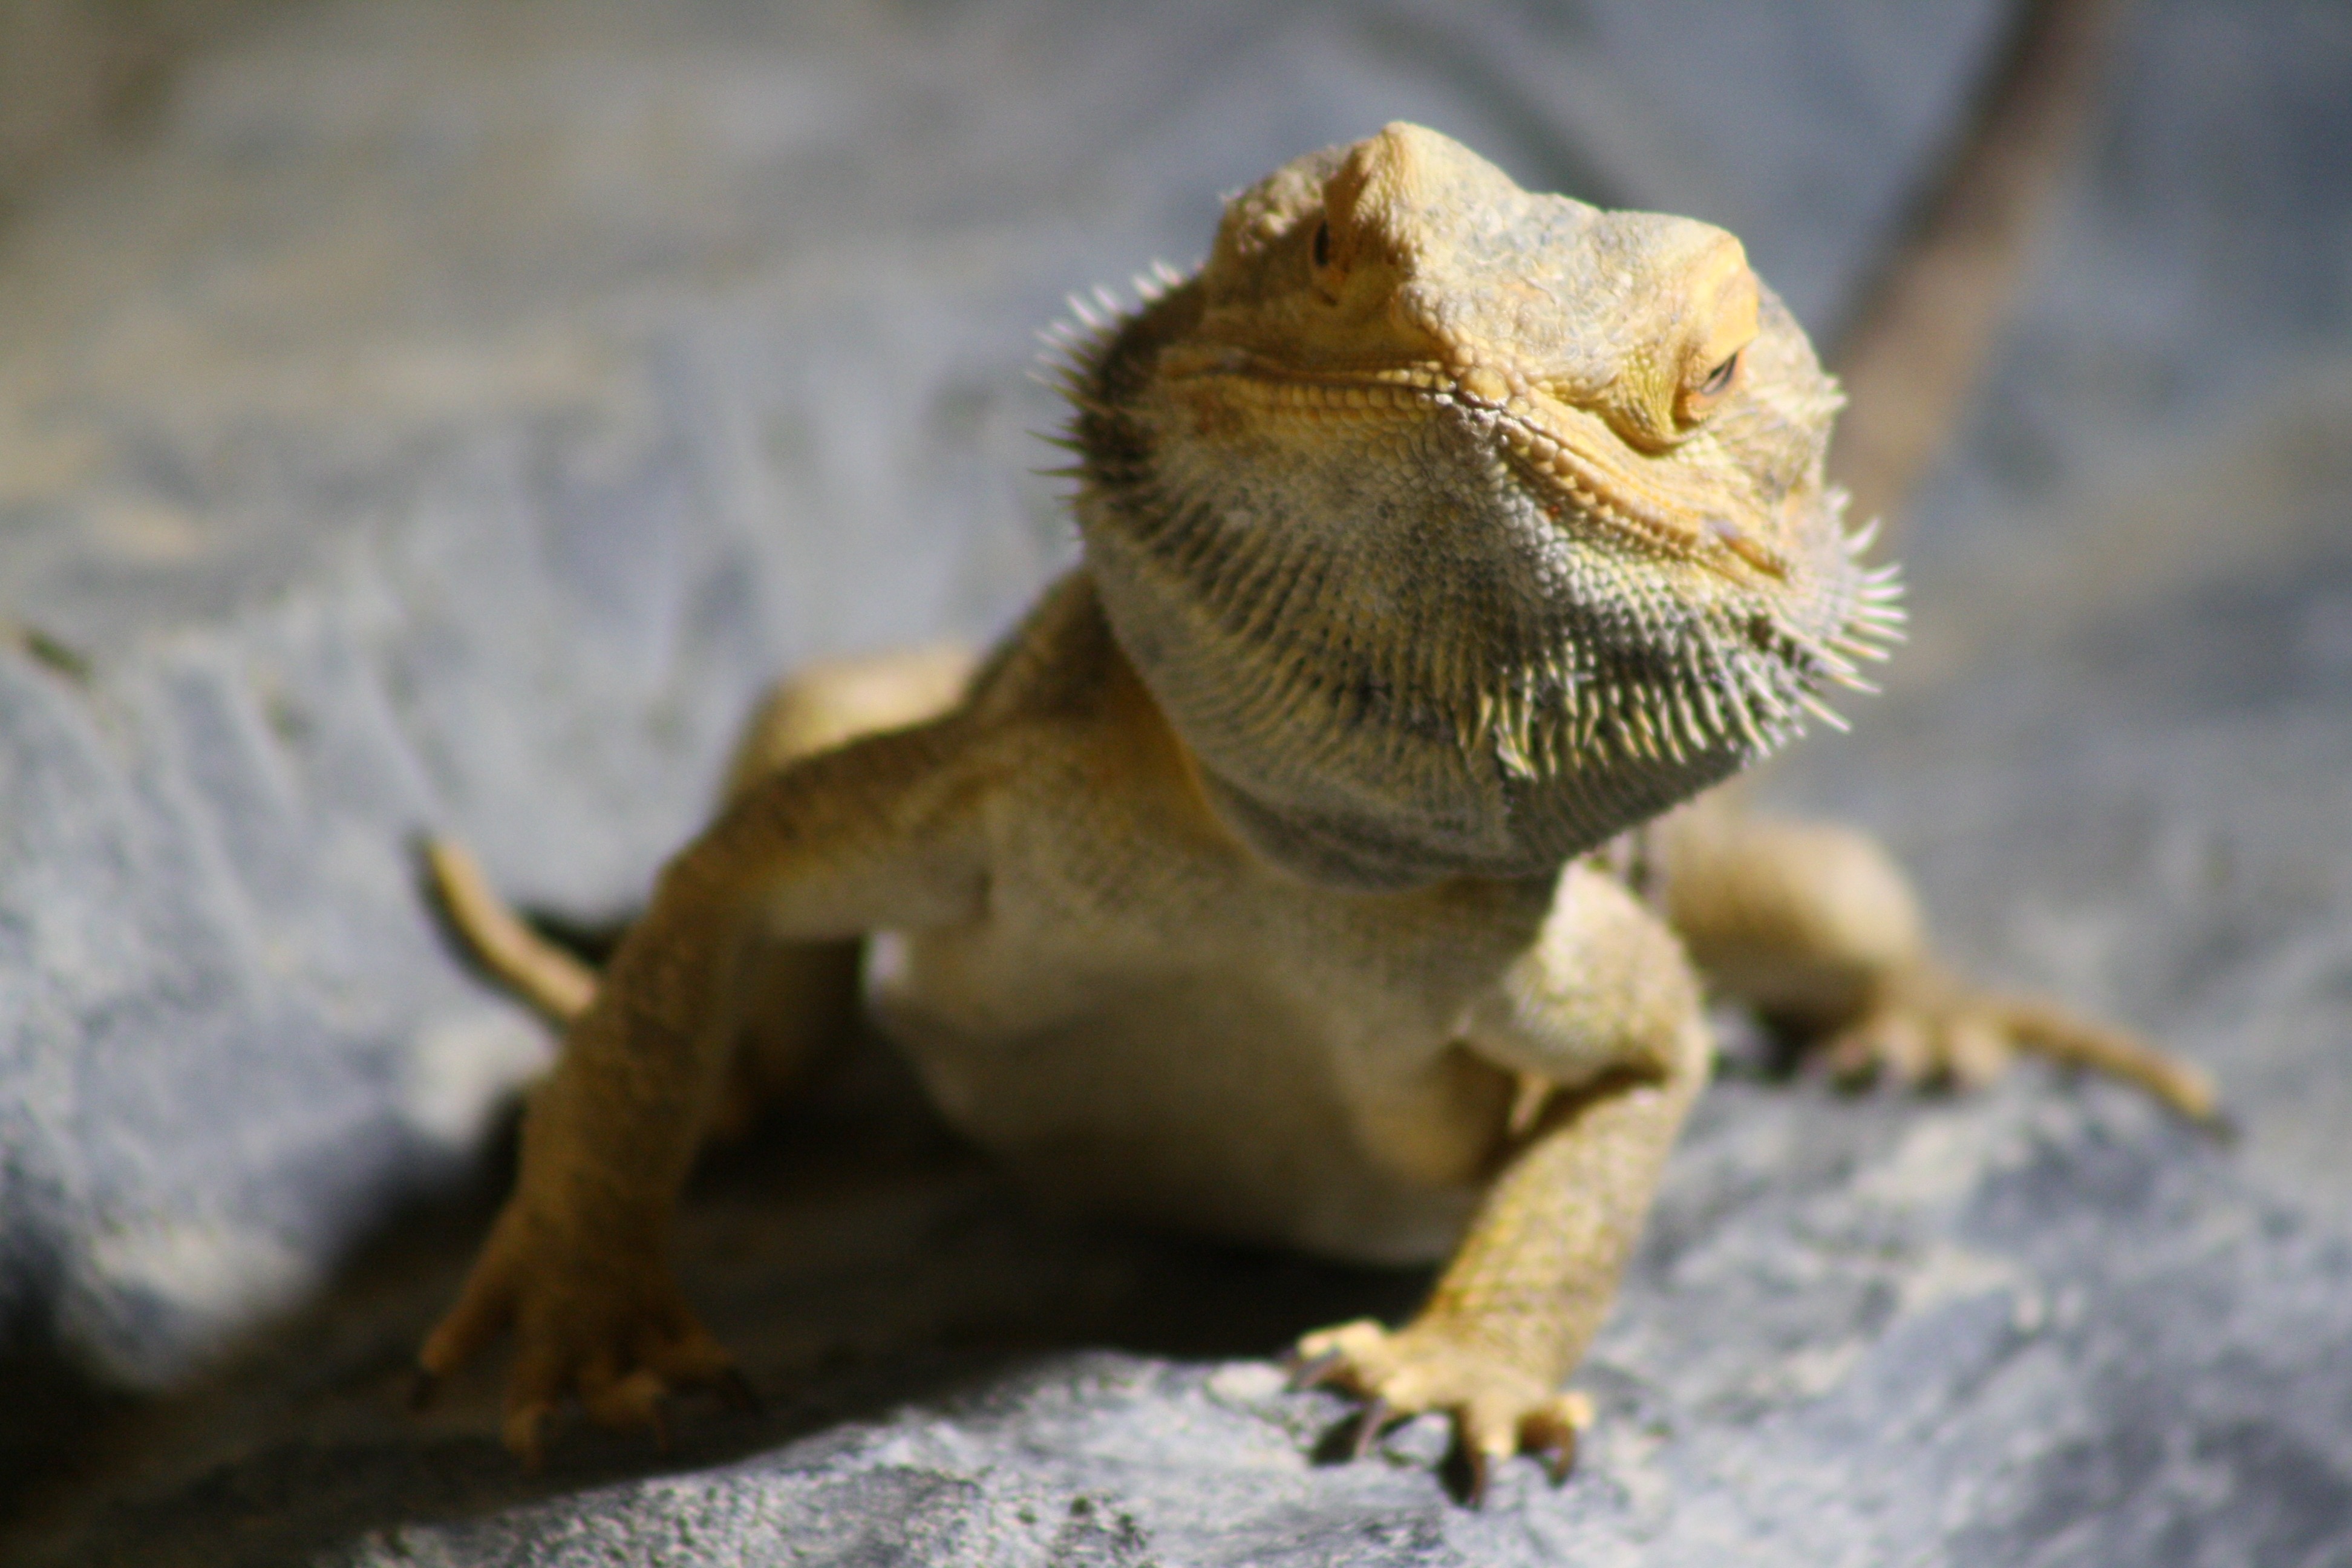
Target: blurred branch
(1914, 349)
(73, 72)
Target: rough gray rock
(2034, 1328)
(453, 416)
(2003, 1335)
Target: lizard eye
(1708, 390)
(1328, 275)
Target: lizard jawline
(1573, 465)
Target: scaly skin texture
(1436, 535)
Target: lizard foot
(1938, 1033)
(614, 1330)
(1498, 1409)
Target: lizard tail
(2049, 1031)
(543, 974)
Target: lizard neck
(1360, 852)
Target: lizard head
(1457, 528)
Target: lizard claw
(1553, 1429)
(622, 1348)
(1373, 1419)
(1478, 1470)
(1498, 1409)
(1562, 1462)
(1310, 1372)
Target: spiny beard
(1398, 667)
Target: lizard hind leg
(1815, 926)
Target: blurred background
(428, 413)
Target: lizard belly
(1200, 1097)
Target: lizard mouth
(1578, 469)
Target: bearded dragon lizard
(1272, 878)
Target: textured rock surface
(2029, 1329)
(453, 416)
(1865, 1340)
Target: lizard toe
(1936, 1032)
(1498, 1409)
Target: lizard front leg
(799, 997)
(881, 833)
(1606, 1009)
(1814, 925)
